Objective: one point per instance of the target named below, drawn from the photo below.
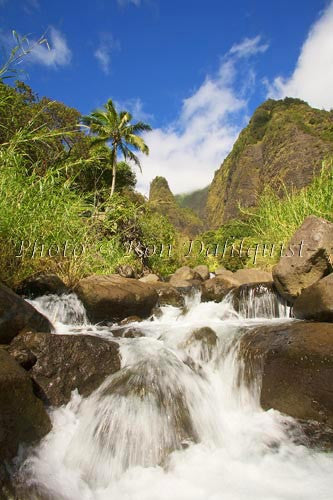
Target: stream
(179, 421)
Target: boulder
(203, 272)
(294, 362)
(42, 284)
(58, 364)
(16, 315)
(168, 295)
(203, 341)
(258, 300)
(244, 276)
(316, 301)
(216, 289)
(113, 298)
(23, 419)
(150, 278)
(223, 272)
(184, 274)
(307, 258)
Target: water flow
(178, 421)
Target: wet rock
(113, 298)
(42, 284)
(16, 315)
(150, 278)
(203, 272)
(130, 319)
(23, 418)
(244, 276)
(128, 333)
(295, 362)
(217, 288)
(255, 300)
(307, 258)
(316, 301)
(169, 295)
(63, 363)
(204, 339)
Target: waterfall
(179, 420)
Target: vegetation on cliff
(283, 145)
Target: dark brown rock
(65, 362)
(168, 295)
(113, 298)
(23, 418)
(216, 289)
(307, 258)
(295, 362)
(42, 284)
(16, 315)
(206, 339)
(316, 301)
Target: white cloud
(249, 47)
(312, 79)
(189, 151)
(103, 52)
(135, 107)
(55, 53)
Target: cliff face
(163, 201)
(286, 141)
(195, 201)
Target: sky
(194, 70)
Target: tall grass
(276, 219)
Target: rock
(113, 298)
(168, 295)
(216, 289)
(16, 315)
(130, 319)
(252, 276)
(223, 272)
(205, 339)
(203, 272)
(42, 284)
(23, 418)
(126, 271)
(150, 278)
(296, 362)
(186, 286)
(63, 363)
(294, 273)
(127, 332)
(184, 273)
(316, 301)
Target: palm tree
(115, 128)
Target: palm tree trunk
(114, 172)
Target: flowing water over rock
(179, 421)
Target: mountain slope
(195, 201)
(286, 141)
(163, 201)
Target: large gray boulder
(23, 419)
(16, 315)
(113, 298)
(307, 258)
(58, 364)
(316, 301)
(294, 363)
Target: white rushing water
(178, 420)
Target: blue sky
(194, 70)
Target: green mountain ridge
(284, 144)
